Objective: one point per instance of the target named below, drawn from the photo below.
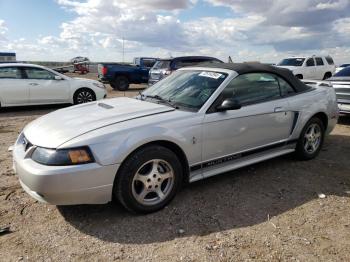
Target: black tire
(327, 75)
(84, 95)
(121, 83)
(299, 76)
(301, 152)
(126, 182)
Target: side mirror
(228, 104)
(58, 78)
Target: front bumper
(64, 185)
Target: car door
(44, 88)
(13, 89)
(310, 69)
(320, 68)
(263, 120)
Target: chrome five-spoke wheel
(153, 182)
(148, 179)
(312, 138)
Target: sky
(246, 30)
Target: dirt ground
(267, 212)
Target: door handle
(33, 84)
(278, 109)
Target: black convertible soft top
(243, 68)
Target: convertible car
(196, 123)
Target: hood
(58, 127)
(291, 68)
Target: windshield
(162, 64)
(343, 72)
(292, 62)
(186, 89)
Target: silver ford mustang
(196, 123)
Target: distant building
(7, 57)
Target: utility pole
(123, 49)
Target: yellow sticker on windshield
(210, 74)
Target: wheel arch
(178, 151)
(323, 117)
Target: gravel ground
(271, 211)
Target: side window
(329, 60)
(38, 73)
(252, 88)
(286, 89)
(10, 73)
(319, 61)
(310, 62)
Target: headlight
(99, 85)
(62, 157)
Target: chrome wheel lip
(84, 97)
(159, 181)
(312, 138)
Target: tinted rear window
(329, 60)
(162, 64)
(195, 61)
(343, 72)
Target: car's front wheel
(311, 139)
(84, 95)
(148, 179)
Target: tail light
(104, 70)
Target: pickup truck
(120, 75)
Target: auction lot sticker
(210, 74)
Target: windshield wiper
(161, 99)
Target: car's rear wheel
(121, 83)
(84, 95)
(148, 179)
(311, 139)
(299, 76)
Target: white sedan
(27, 84)
(196, 123)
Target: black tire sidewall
(117, 83)
(300, 150)
(122, 189)
(81, 90)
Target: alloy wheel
(84, 97)
(153, 182)
(312, 138)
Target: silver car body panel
(212, 143)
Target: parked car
(27, 84)
(312, 67)
(341, 84)
(196, 123)
(164, 67)
(341, 67)
(120, 76)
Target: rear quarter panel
(310, 103)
